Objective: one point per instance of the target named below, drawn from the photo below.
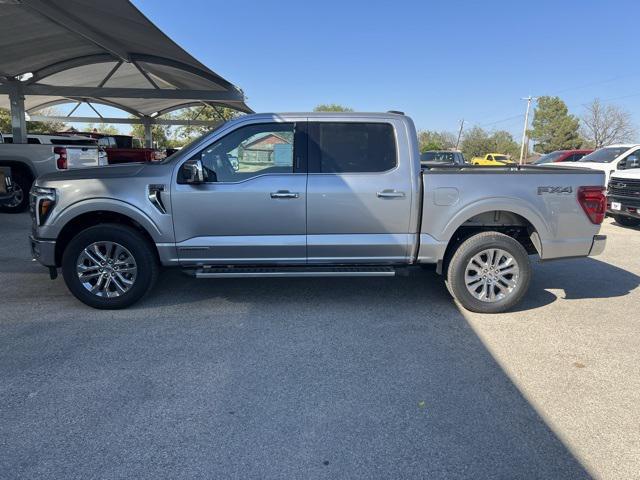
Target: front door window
(249, 152)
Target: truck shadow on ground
(379, 378)
(580, 279)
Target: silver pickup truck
(311, 194)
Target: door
(251, 208)
(358, 194)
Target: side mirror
(192, 172)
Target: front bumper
(629, 207)
(597, 247)
(44, 251)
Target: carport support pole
(148, 135)
(18, 117)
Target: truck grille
(624, 187)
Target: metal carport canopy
(97, 51)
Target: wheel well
(18, 167)
(508, 223)
(91, 219)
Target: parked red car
(125, 148)
(562, 156)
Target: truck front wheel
(109, 266)
(489, 273)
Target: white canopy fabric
(104, 52)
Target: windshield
(549, 158)
(193, 142)
(604, 155)
(438, 157)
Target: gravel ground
(322, 378)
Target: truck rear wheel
(627, 221)
(109, 266)
(20, 200)
(489, 273)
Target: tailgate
(80, 157)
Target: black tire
(20, 201)
(461, 259)
(627, 221)
(129, 238)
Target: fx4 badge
(554, 190)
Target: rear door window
(351, 147)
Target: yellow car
(493, 159)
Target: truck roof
(385, 115)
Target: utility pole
(459, 133)
(524, 132)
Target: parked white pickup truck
(44, 154)
(608, 159)
(312, 194)
(623, 199)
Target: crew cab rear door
(252, 207)
(359, 192)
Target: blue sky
(437, 61)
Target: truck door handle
(284, 194)
(390, 194)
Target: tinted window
(439, 157)
(549, 158)
(33, 141)
(604, 155)
(250, 151)
(87, 142)
(345, 147)
(122, 141)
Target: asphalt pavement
(322, 378)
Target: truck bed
(543, 199)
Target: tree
(105, 128)
(503, 142)
(432, 140)
(478, 142)
(606, 124)
(553, 127)
(332, 107)
(205, 112)
(32, 127)
(160, 134)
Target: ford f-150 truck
(311, 194)
(623, 199)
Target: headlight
(42, 202)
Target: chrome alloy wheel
(491, 275)
(18, 196)
(106, 269)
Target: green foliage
(189, 132)
(553, 127)
(105, 128)
(160, 133)
(32, 127)
(478, 142)
(432, 140)
(332, 107)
